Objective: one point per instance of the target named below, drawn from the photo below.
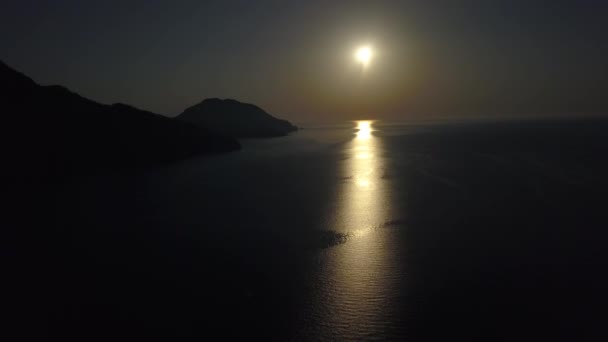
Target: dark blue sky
(294, 58)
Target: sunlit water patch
(356, 280)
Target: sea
(359, 231)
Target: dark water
(397, 232)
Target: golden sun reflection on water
(364, 130)
(364, 164)
(357, 275)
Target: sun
(364, 55)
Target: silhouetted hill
(51, 132)
(231, 117)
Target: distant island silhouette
(55, 132)
(237, 119)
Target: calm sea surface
(361, 231)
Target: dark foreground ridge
(54, 132)
(234, 118)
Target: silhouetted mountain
(52, 131)
(231, 117)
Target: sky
(431, 59)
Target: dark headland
(237, 119)
(55, 132)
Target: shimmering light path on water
(356, 282)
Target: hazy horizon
(484, 59)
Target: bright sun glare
(365, 130)
(364, 55)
